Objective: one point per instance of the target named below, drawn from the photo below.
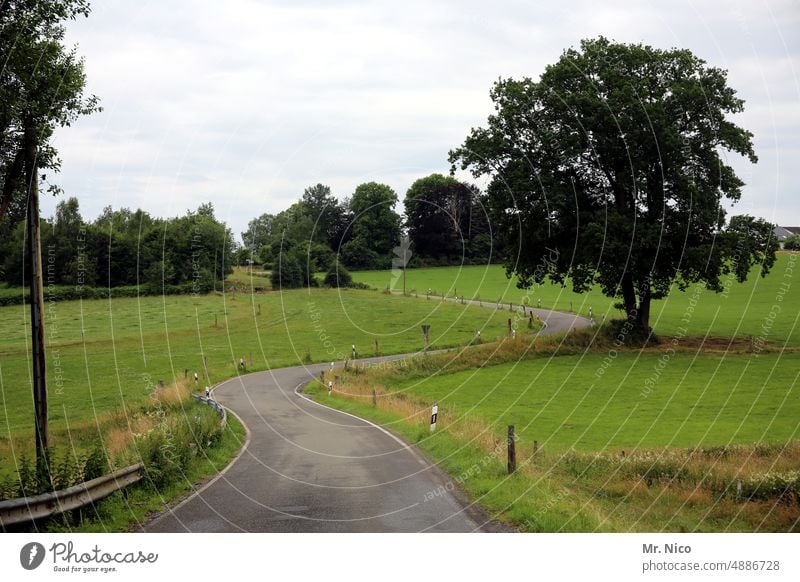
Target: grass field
(107, 355)
(249, 279)
(741, 310)
(655, 444)
(661, 490)
(696, 399)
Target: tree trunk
(643, 314)
(629, 298)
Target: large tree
(41, 88)
(329, 216)
(444, 219)
(375, 225)
(609, 170)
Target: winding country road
(309, 468)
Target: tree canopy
(609, 170)
(446, 221)
(375, 225)
(41, 88)
(190, 253)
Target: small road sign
(434, 415)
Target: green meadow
(106, 355)
(589, 402)
(767, 307)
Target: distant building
(782, 232)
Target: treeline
(444, 221)
(187, 254)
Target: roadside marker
(434, 415)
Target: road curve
(554, 321)
(309, 468)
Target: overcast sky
(244, 103)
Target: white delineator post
(434, 415)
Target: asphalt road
(308, 468)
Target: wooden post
(186, 372)
(374, 398)
(215, 320)
(535, 447)
(259, 309)
(509, 327)
(37, 305)
(512, 450)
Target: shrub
(287, 273)
(338, 276)
(792, 242)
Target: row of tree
(445, 221)
(190, 253)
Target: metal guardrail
(26, 509)
(223, 415)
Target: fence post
(374, 398)
(535, 447)
(512, 450)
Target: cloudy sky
(244, 103)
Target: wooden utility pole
(37, 301)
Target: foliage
(41, 88)
(375, 223)
(338, 276)
(446, 220)
(608, 171)
(361, 231)
(70, 469)
(124, 248)
(792, 242)
(286, 273)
